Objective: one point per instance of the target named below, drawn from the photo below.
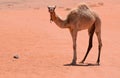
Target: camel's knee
(74, 46)
(100, 45)
(90, 45)
(90, 42)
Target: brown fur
(80, 18)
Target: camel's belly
(85, 25)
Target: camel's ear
(48, 7)
(54, 6)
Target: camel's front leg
(74, 38)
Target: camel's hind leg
(99, 46)
(90, 32)
(98, 33)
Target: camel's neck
(58, 21)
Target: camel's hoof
(73, 63)
(81, 62)
(98, 63)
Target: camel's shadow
(81, 64)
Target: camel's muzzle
(51, 20)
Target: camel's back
(84, 10)
(82, 16)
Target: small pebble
(16, 57)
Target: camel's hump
(83, 6)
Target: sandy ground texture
(32, 47)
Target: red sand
(44, 49)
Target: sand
(43, 49)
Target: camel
(78, 19)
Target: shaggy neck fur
(58, 21)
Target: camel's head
(51, 9)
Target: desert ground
(43, 49)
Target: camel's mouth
(51, 20)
